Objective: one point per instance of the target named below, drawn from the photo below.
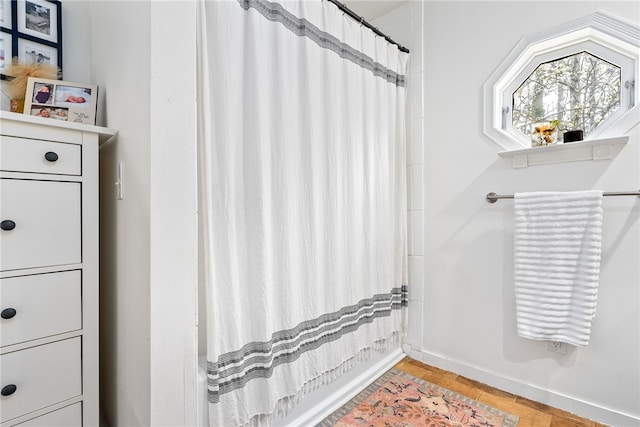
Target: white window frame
(601, 35)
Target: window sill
(593, 149)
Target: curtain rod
(362, 21)
(493, 197)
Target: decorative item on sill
(573, 136)
(544, 133)
(18, 74)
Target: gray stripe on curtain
(301, 27)
(258, 359)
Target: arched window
(580, 76)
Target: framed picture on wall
(60, 100)
(5, 14)
(31, 31)
(38, 18)
(36, 53)
(5, 50)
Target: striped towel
(557, 264)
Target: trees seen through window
(579, 91)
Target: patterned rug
(398, 399)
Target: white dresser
(48, 271)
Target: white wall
(146, 78)
(120, 66)
(467, 319)
(173, 216)
(76, 41)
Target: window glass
(577, 92)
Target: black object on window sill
(573, 136)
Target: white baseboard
(548, 397)
(323, 402)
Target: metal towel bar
(493, 197)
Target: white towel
(557, 264)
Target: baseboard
(330, 398)
(533, 392)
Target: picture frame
(6, 50)
(30, 52)
(39, 19)
(32, 31)
(6, 20)
(61, 100)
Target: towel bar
(493, 197)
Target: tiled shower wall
(395, 24)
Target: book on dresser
(49, 304)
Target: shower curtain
(302, 200)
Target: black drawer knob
(7, 225)
(8, 313)
(8, 390)
(51, 156)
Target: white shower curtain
(303, 200)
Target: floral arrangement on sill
(548, 133)
(544, 133)
(18, 74)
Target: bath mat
(400, 399)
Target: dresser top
(103, 133)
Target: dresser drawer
(70, 416)
(41, 305)
(32, 155)
(42, 376)
(46, 221)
